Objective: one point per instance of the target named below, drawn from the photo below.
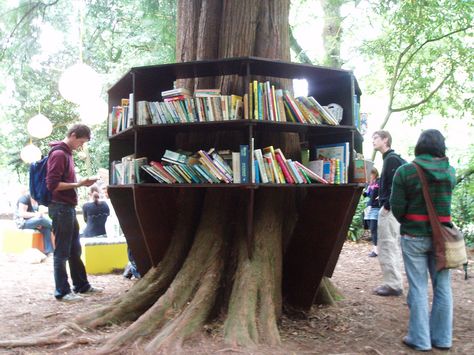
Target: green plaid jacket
(407, 201)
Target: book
(154, 174)
(261, 165)
(323, 112)
(316, 166)
(311, 174)
(280, 158)
(174, 157)
(280, 178)
(176, 92)
(335, 151)
(244, 163)
(236, 167)
(163, 172)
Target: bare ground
(362, 323)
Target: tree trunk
(211, 267)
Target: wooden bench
(16, 241)
(104, 255)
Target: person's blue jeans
(425, 330)
(44, 226)
(68, 249)
(373, 230)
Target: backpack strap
(66, 171)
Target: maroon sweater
(57, 164)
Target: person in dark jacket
(425, 330)
(95, 215)
(372, 192)
(389, 252)
(62, 211)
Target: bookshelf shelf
(147, 210)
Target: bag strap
(66, 171)
(434, 221)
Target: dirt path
(360, 324)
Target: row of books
(261, 102)
(266, 165)
(265, 102)
(121, 116)
(184, 109)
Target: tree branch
(430, 41)
(427, 98)
(295, 46)
(465, 175)
(396, 76)
(23, 19)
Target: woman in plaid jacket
(425, 330)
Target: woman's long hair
(431, 142)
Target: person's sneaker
(372, 254)
(70, 297)
(387, 291)
(93, 289)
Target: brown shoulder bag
(448, 243)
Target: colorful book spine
(244, 163)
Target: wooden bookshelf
(146, 211)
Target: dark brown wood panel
(156, 211)
(124, 206)
(324, 217)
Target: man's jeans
(425, 331)
(45, 229)
(68, 248)
(390, 254)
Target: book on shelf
(281, 160)
(176, 92)
(236, 167)
(258, 156)
(338, 151)
(311, 174)
(174, 157)
(244, 164)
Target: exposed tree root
(175, 299)
(147, 290)
(256, 303)
(327, 293)
(57, 335)
(195, 283)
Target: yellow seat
(16, 241)
(102, 255)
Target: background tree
(40, 40)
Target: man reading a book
(61, 181)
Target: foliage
(31, 62)
(356, 229)
(463, 203)
(426, 49)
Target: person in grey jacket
(389, 251)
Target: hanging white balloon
(80, 83)
(30, 153)
(93, 112)
(39, 126)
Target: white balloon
(39, 126)
(80, 83)
(30, 153)
(93, 112)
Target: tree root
(256, 303)
(147, 290)
(194, 286)
(50, 337)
